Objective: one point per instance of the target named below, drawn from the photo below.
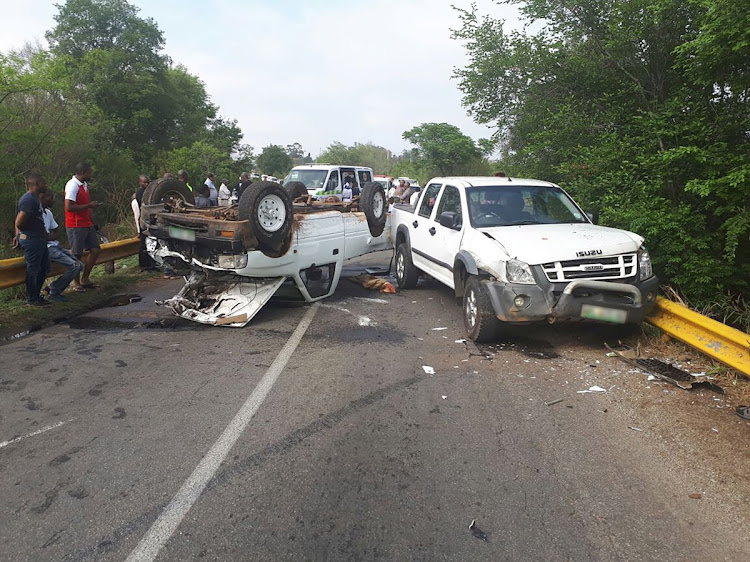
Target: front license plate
(604, 314)
(181, 234)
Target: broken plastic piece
(427, 369)
(438, 329)
(594, 388)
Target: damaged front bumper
(612, 302)
(222, 300)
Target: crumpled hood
(543, 243)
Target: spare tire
(268, 207)
(165, 190)
(296, 189)
(372, 203)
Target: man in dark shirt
(32, 237)
(243, 185)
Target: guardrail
(717, 340)
(13, 271)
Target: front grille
(611, 267)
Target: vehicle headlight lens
(644, 264)
(519, 272)
(233, 262)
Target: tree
(114, 61)
(444, 148)
(274, 161)
(359, 154)
(295, 151)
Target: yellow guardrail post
(717, 340)
(13, 271)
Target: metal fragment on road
(553, 402)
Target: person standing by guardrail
(57, 254)
(32, 237)
(82, 235)
(145, 261)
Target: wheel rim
(378, 204)
(400, 265)
(471, 308)
(172, 196)
(271, 213)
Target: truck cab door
(446, 241)
(420, 236)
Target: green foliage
(274, 161)
(445, 149)
(359, 154)
(640, 109)
(106, 93)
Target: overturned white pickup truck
(518, 251)
(275, 241)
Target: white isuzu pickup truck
(519, 250)
(276, 241)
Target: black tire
(372, 203)
(406, 274)
(479, 317)
(296, 189)
(268, 207)
(162, 191)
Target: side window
(428, 200)
(450, 202)
(334, 181)
(364, 177)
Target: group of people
(402, 193)
(36, 234)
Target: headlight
(644, 264)
(519, 272)
(233, 262)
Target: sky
(313, 72)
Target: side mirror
(449, 219)
(593, 216)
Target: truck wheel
(372, 203)
(268, 207)
(296, 189)
(406, 274)
(164, 191)
(479, 317)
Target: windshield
(313, 179)
(506, 205)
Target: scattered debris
(594, 388)
(476, 531)
(460, 341)
(695, 496)
(438, 329)
(714, 430)
(553, 402)
(444, 397)
(604, 411)
(373, 283)
(652, 378)
(635, 428)
(427, 369)
(664, 371)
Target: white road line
(168, 521)
(37, 432)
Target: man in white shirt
(346, 193)
(57, 254)
(214, 194)
(224, 193)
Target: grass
(16, 318)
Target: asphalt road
(355, 452)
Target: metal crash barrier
(13, 271)
(717, 340)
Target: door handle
(432, 231)
(415, 224)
